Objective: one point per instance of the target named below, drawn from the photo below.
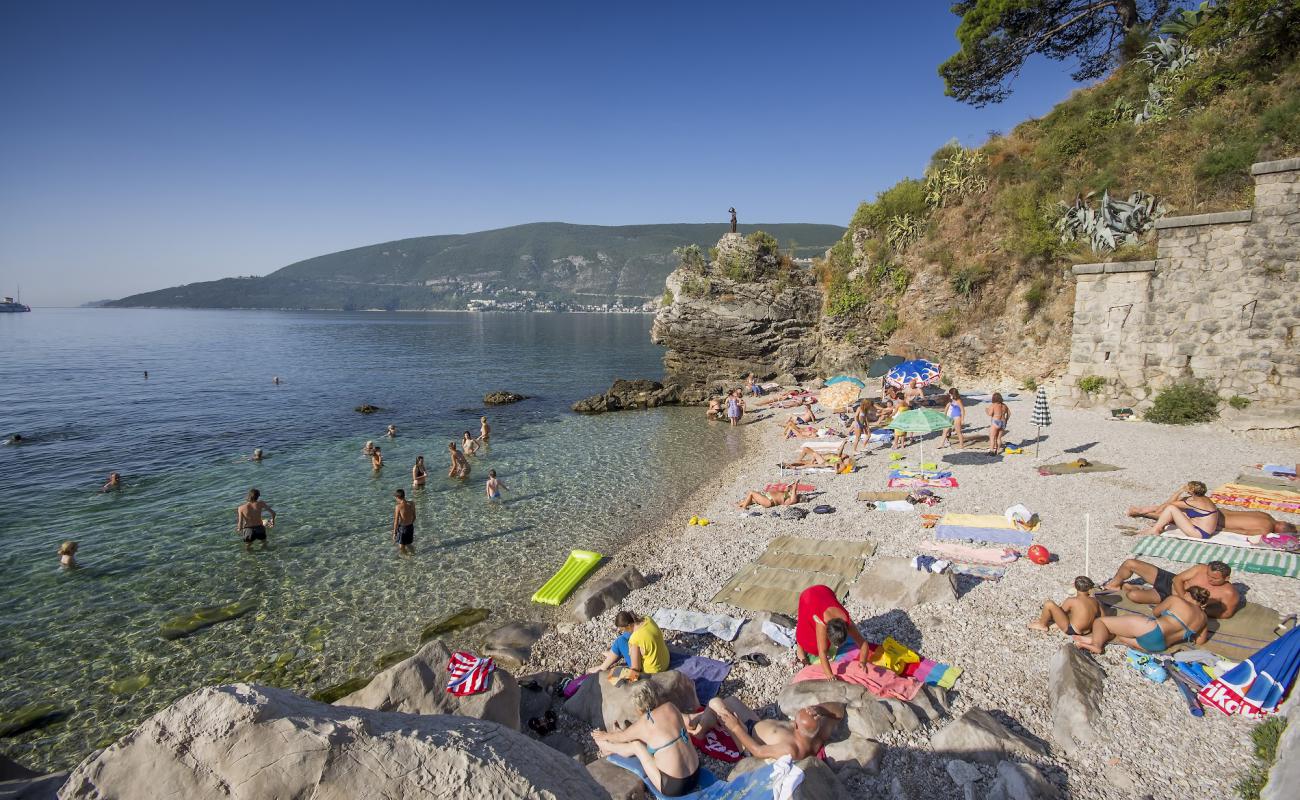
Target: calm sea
(331, 594)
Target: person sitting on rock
(801, 737)
(658, 740)
(1212, 577)
(1247, 523)
(1178, 619)
(823, 628)
(714, 411)
(1075, 615)
(777, 497)
(640, 646)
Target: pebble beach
(1148, 744)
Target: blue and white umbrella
(917, 369)
(1257, 685)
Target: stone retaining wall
(1218, 303)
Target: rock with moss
(502, 398)
(458, 620)
(201, 618)
(30, 717)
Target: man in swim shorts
(403, 523)
(249, 523)
(1213, 577)
(494, 485)
(801, 737)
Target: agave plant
(960, 174)
(1188, 19)
(902, 231)
(1156, 107)
(1168, 55)
(1113, 223)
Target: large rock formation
(743, 312)
(624, 395)
(602, 705)
(245, 741)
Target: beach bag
(893, 656)
(1287, 542)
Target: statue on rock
(733, 219)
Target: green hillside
(538, 262)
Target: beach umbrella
(840, 396)
(845, 379)
(927, 372)
(1257, 685)
(1042, 416)
(882, 365)
(920, 420)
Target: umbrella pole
(1087, 544)
(1038, 440)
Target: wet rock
(272, 743)
(892, 583)
(513, 643)
(752, 639)
(389, 659)
(418, 685)
(1074, 684)
(600, 594)
(977, 736)
(366, 408)
(855, 753)
(624, 394)
(331, 693)
(618, 782)
(124, 686)
(30, 717)
(1021, 782)
(206, 617)
(42, 787)
(608, 707)
(502, 398)
(459, 620)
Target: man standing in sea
(403, 523)
(248, 520)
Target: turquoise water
(331, 595)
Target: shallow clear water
(331, 593)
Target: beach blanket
(1237, 637)
(881, 435)
(676, 619)
(1267, 562)
(781, 487)
(882, 496)
(1071, 468)
(1235, 494)
(706, 673)
(791, 564)
(774, 781)
(918, 483)
(468, 674)
(717, 743)
(840, 548)
(1225, 538)
(982, 521)
(965, 554)
(895, 505)
(926, 670)
(1268, 482)
(984, 573)
(883, 683)
(1281, 470)
(1009, 536)
(908, 472)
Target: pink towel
(879, 681)
(993, 556)
(467, 673)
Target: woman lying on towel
(824, 628)
(1247, 523)
(1189, 510)
(1177, 620)
(658, 740)
(780, 497)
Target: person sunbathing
(777, 497)
(658, 740)
(1246, 523)
(1189, 510)
(809, 457)
(1177, 620)
(1212, 577)
(794, 429)
(806, 415)
(804, 736)
(1075, 615)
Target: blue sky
(153, 144)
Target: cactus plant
(1113, 223)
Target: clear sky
(149, 144)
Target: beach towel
(823, 445)
(982, 521)
(895, 505)
(1009, 536)
(779, 633)
(1252, 627)
(1280, 470)
(1225, 538)
(706, 673)
(840, 548)
(676, 619)
(984, 573)
(881, 682)
(1235, 494)
(908, 472)
(965, 554)
(881, 435)
(917, 483)
(1268, 482)
(774, 781)
(791, 564)
(1071, 468)
(1266, 561)
(781, 487)
(717, 743)
(847, 568)
(468, 674)
(877, 497)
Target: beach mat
(1268, 482)
(977, 521)
(1225, 538)
(791, 564)
(1265, 562)
(883, 497)
(1237, 637)
(849, 568)
(922, 483)
(1070, 468)
(840, 548)
(1235, 494)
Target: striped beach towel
(468, 674)
(1235, 494)
(1267, 562)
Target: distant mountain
(544, 264)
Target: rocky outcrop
(625, 395)
(602, 705)
(1074, 684)
(601, 594)
(255, 741)
(502, 398)
(418, 685)
(894, 583)
(866, 715)
(745, 312)
(513, 643)
(977, 736)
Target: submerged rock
(455, 621)
(331, 693)
(389, 659)
(502, 398)
(366, 408)
(130, 685)
(254, 741)
(30, 717)
(199, 619)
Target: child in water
(494, 486)
(68, 555)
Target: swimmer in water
(17, 438)
(257, 454)
(468, 444)
(376, 460)
(146, 374)
(418, 473)
(494, 486)
(369, 448)
(459, 464)
(276, 380)
(403, 523)
(248, 520)
(392, 432)
(114, 483)
(68, 555)
(483, 429)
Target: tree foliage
(998, 36)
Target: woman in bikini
(956, 411)
(861, 427)
(999, 418)
(658, 740)
(778, 497)
(1191, 512)
(469, 444)
(1177, 620)
(418, 472)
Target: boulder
(855, 753)
(599, 595)
(965, 775)
(502, 398)
(869, 720)
(819, 782)
(418, 685)
(904, 714)
(752, 639)
(366, 408)
(806, 693)
(533, 703)
(1021, 782)
(1074, 684)
(200, 618)
(562, 744)
(455, 621)
(625, 394)
(618, 782)
(256, 741)
(930, 704)
(602, 705)
(40, 787)
(892, 583)
(513, 643)
(977, 736)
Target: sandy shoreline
(1148, 735)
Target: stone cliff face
(745, 311)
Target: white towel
(676, 619)
(779, 633)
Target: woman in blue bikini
(1191, 512)
(672, 764)
(956, 411)
(1177, 620)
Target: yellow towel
(980, 521)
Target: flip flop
(757, 659)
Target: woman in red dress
(823, 627)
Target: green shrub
(900, 278)
(846, 297)
(695, 287)
(967, 279)
(1029, 385)
(1227, 164)
(737, 268)
(1091, 383)
(947, 327)
(945, 380)
(841, 256)
(1033, 235)
(668, 297)
(1264, 738)
(1238, 402)
(765, 244)
(1183, 404)
(1282, 122)
(903, 198)
(1034, 296)
(691, 258)
(889, 324)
